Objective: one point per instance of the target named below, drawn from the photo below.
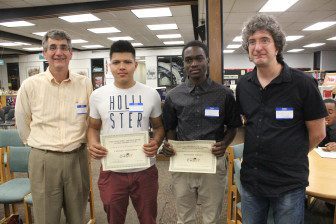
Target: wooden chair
(28, 203)
(13, 190)
(233, 203)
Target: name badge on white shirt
(135, 107)
(81, 109)
(284, 113)
(212, 112)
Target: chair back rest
(18, 158)
(10, 137)
(238, 150)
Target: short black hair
(122, 46)
(196, 43)
(330, 101)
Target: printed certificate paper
(125, 151)
(193, 157)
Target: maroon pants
(116, 188)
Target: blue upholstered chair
(8, 138)
(235, 156)
(13, 190)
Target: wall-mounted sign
(230, 76)
(2, 62)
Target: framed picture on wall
(97, 80)
(33, 70)
(170, 70)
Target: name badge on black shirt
(212, 112)
(284, 113)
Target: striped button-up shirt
(51, 115)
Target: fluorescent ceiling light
(40, 33)
(120, 38)
(78, 41)
(277, 5)
(332, 38)
(238, 39)
(80, 18)
(93, 46)
(319, 26)
(17, 24)
(154, 12)
(142, 60)
(104, 30)
(233, 46)
(33, 48)
(314, 45)
(228, 51)
(173, 42)
(137, 44)
(295, 50)
(170, 26)
(168, 36)
(292, 38)
(13, 44)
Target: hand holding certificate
(193, 156)
(125, 151)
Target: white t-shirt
(114, 106)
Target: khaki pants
(59, 180)
(191, 189)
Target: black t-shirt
(276, 139)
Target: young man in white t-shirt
(111, 113)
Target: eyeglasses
(62, 47)
(264, 41)
(189, 60)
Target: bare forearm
(158, 135)
(229, 135)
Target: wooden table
(322, 179)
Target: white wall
(328, 60)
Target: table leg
(335, 215)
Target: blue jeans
(287, 208)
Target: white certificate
(193, 157)
(125, 151)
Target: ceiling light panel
(173, 42)
(17, 24)
(80, 18)
(40, 33)
(78, 41)
(293, 38)
(93, 46)
(13, 44)
(153, 12)
(238, 39)
(314, 45)
(120, 38)
(319, 26)
(170, 26)
(104, 30)
(277, 5)
(295, 50)
(228, 51)
(332, 38)
(137, 44)
(33, 48)
(168, 36)
(233, 46)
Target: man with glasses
(199, 109)
(284, 115)
(51, 113)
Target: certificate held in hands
(125, 151)
(193, 157)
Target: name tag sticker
(135, 107)
(284, 113)
(212, 112)
(81, 109)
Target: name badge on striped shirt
(81, 109)
(212, 112)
